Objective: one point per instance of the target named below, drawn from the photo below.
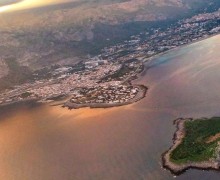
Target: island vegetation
(196, 145)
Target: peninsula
(106, 97)
(196, 144)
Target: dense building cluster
(64, 80)
(111, 94)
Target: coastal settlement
(113, 69)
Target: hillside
(66, 33)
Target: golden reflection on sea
(54, 143)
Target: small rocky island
(196, 144)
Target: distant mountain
(66, 33)
(88, 20)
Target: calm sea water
(39, 142)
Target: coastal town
(111, 94)
(109, 80)
(106, 96)
(159, 40)
(109, 73)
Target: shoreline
(178, 169)
(149, 59)
(20, 101)
(141, 94)
(128, 80)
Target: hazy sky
(14, 5)
(7, 2)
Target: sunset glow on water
(51, 142)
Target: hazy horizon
(17, 5)
(89, 89)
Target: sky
(6, 2)
(27, 4)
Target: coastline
(178, 169)
(149, 59)
(141, 94)
(20, 101)
(128, 80)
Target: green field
(195, 146)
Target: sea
(44, 142)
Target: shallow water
(126, 143)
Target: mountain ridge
(68, 32)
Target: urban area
(107, 77)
